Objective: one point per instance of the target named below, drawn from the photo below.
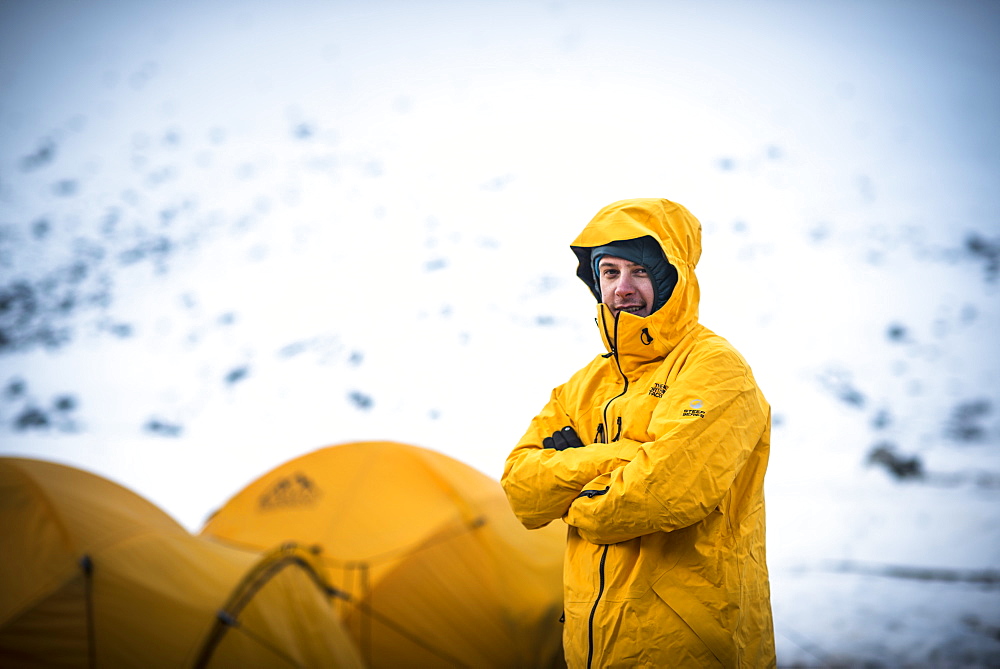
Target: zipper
(614, 351)
(605, 433)
(593, 611)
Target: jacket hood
(678, 233)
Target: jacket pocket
(702, 609)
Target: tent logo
(294, 490)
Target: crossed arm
(617, 491)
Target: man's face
(625, 286)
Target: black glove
(563, 439)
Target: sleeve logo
(695, 409)
(658, 389)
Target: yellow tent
(92, 575)
(434, 569)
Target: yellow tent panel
(434, 569)
(92, 575)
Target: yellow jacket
(665, 562)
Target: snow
(248, 231)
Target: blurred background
(234, 232)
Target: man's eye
(641, 271)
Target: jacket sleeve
(541, 483)
(704, 434)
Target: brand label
(294, 490)
(695, 409)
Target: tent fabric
(434, 568)
(94, 575)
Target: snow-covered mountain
(231, 233)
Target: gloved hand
(563, 439)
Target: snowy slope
(232, 233)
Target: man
(654, 456)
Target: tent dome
(434, 568)
(95, 575)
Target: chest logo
(658, 389)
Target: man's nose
(626, 286)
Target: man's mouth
(632, 308)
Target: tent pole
(87, 565)
(366, 624)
